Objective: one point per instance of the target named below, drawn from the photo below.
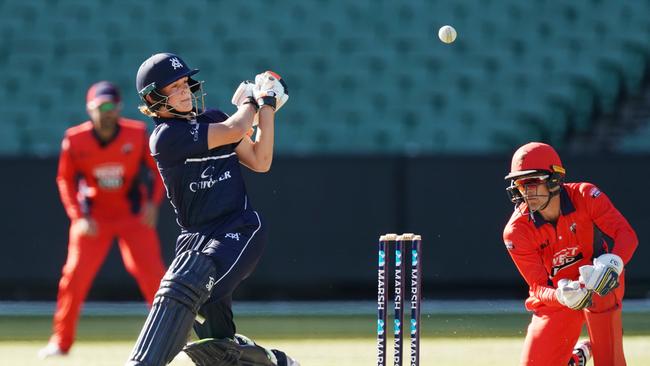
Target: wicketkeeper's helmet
(535, 159)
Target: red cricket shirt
(589, 225)
(104, 179)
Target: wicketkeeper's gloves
(602, 276)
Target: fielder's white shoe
(51, 350)
(581, 353)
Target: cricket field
(447, 339)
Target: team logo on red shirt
(595, 192)
(110, 176)
(127, 148)
(565, 258)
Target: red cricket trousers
(140, 249)
(554, 331)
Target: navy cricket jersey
(204, 186)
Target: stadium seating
(366, 77)
(636, 142)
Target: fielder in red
(570, 244)
(100, 179)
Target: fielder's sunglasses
(107, 107)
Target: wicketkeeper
(571, 246)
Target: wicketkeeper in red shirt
(571, 245)
(103, 170)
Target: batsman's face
(534, 191)
(179, 95)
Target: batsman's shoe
(291, 361)
(211, 352)
(241, 351)
(284, 359)
(581, 354)
(277, 357)
(51, 350)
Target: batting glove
(270, 90)
(572, 294)
(244, 94)
(602, 277)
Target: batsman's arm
(258, 155)
(611, 222)
(66, 181)
(233, 129)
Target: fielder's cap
(535, 157)
(102, 92)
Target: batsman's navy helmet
(160, 70)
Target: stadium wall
(324, 215)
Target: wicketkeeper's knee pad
(189, 279)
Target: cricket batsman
(199, 153)
(571, 246)
(110, 188)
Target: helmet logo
(176, 64)
(558, 169)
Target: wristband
(251, 100)
(266, 100)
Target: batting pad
(183, 289)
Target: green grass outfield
(477, 340)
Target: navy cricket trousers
(235, 249)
